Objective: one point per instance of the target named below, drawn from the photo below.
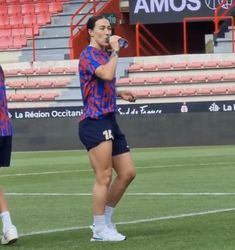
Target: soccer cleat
(106, 234)
(10, 236)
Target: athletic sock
(6, 221)
(108, 214)
(99, 222)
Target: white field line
(170, 217)
(127, 194)
(89, 170)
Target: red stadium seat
(150, 67)
(231, 90)
(6, 42)
(123, 81)
(29, 19)
(71, 70)
(20, 31)
(5, 32)
(154, 80)
(184, 79)
(31, 84)
(60, 83)
(4, 21)
(157, 93)
(16, 85)
(189, 91)
(49, 96)
(168, 79)
(58, 70)
(33, 97)
(41, 7)
(27, 9)
(19, 41)
(204, 91)
(16, 20)
(180, 65)
(199, 78)
(173, 92)
(141, 93)
(215, 78)
(135, 67)
(17, 97)
(195, 65)
(3, 10)
(45, 84)
(55, 7)
(43, 18)
(138, 81)
(229, 77)
(210, 64)
(220, 90)
(41, 71)
(14, 10)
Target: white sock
(99, 221)
(6, 221)
(108, 214)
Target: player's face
(101, 33)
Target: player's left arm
(126, 95)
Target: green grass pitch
(182, 198)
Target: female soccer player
(98, 129)
(9, 231)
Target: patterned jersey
(99, 96)
(5, 122)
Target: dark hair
(2, 77)
(92, 20)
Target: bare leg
(3, 203)
(124, 167)
(101, 160)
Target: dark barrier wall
(168, 11)
(172, 129)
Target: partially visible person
(98, 129)
(10, 234)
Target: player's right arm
(107, 72)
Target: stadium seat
(195, 65)
(16, 20)
(41, 71)
(55, 7)
(184, 79)
(173, 92)
(150, 67)
(199, 78)
(29, 71)
(229, 77)
(215, 78)
(11, 72)
(15, 85)
(210, 64)
(14, 10)
(31, 84)
(188, 91)
(164, 66)
(60, 83)
(135, 67)
(204, 91)
(154, 80)
(157, 93)
(45, 84)
(123, 81)
(20, 31)
(71, 70)
(225, 64)
(49, 96)
(43, 18)
(17, 97)
(168, 79)
(6, 42)
(5, 32)
(33, 97)
(180, 65)
(220, 90)
(138, 81)
(141, 93)
(19, 41)
(41, 7)
(27, 8)
(3, 10)
(4, 21)
(58, 70)
(231, 90)
(30, 19)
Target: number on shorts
(108, 134)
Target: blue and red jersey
(5, 122)
(99, 96)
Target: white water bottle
(123, 43)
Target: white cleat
(106, 234)
(10, 236)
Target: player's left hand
(127, 96)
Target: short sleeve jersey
(5, 122)
(99, 96)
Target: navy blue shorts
(5, 150)
(92, 132)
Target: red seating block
(41, 7)
(33, 97)
(154, 79)
(60, 83)
(19, 41)
(189, 91)
(43, 18)
(27, 8)
(55, 7)
(137, 81)
(49, 96)
(123, 81)
(141, 93)
(135, 67)
(204, 91)
(157, 93)
(220, 90)
(173, 92)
